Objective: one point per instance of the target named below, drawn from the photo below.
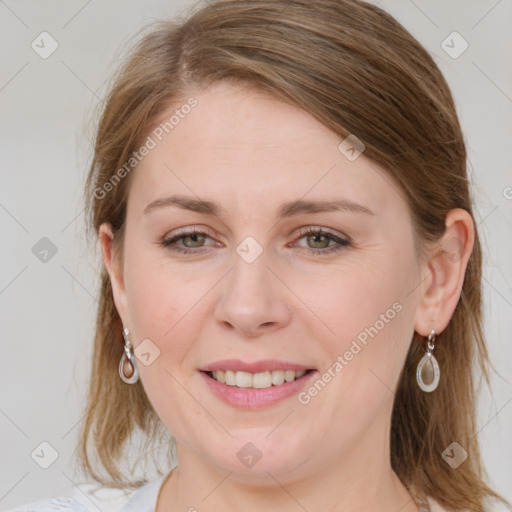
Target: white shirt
(143, 499)
(107, 500)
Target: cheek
(360, 299)
(160, 298)
(367, 318)
(165, 309)
(153, 300)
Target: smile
(260, 380)
(256, 386)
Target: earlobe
(445, 273)
(111, 263)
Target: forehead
(240, 143)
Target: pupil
(316, 236)
(193, 237)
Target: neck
(364, 481)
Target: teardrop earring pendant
(427, 372)
(128, 366)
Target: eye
(320, 239)
(189, 238)
(194, 239)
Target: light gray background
(46, 124)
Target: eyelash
(342, 243)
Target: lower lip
(251, 398)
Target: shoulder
(53, 504)
(90, 498)
(434, 505)
(86, 498)
(488, 506)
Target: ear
(447, 264)
(112, 265)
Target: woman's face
(255, 292)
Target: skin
(251, 153)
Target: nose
(253, 300)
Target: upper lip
(237, 365)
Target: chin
(251, 457)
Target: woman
(291, 282)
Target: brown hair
(358, 71)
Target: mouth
(259, 380)
(257, 385)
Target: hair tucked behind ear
(357, 70)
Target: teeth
(243, 379)
(262, 380)
(259, 380)
(230, 378)
(289, 375)
(277, 378)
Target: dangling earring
(127, 366)
(428, 369)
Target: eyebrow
(286, 210)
